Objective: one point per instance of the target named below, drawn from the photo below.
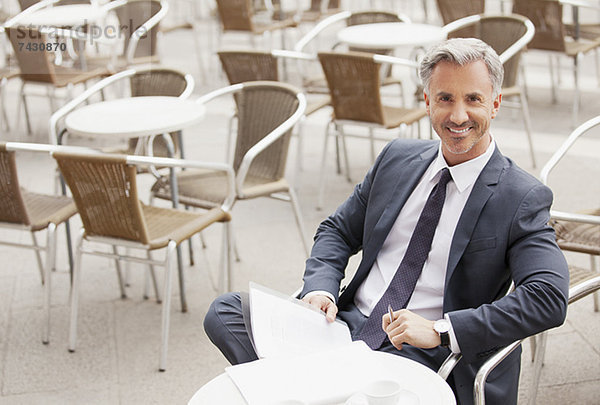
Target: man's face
(460, 105)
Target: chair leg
(38, 258)
(49, 265)
(119, 273)
(577, 99)
(153, 277)
(299, 220)
(345, 153)
(166, 305)
(181, 278)
(594, 268)
(322, 177)
(372, 143)
(552, 82)
(5, 123)
(225, 275)
(75, 294)
(537, 366)
(527, 122)
(26, 110)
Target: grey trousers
(227, 326)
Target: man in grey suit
(492, 231)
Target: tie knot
(445, 177)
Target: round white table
(63, 16)
(390, 35)
(429, 387)
(134, 117)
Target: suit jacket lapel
(402, 190)
(482, 190)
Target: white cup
(383, 392)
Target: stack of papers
(283, 326)
(328, 377)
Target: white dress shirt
(427, 298)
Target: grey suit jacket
(502, 236)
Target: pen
(391, 311)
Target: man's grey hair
(463, 51)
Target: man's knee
(220, 312)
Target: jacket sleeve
(339, 237)
(540, 273)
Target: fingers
(324, 304)
(331, 311)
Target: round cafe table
(429, 387)
(391, 35)
(134, 117)
(63, 16)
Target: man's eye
(474, 98)
(445, 98)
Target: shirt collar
(464, 174)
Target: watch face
(441, 326)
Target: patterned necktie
(403, 283)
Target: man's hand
(324, 304)
(410, 328)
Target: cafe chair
(37, 67)
(319, 9)
(104, 189)
(238, 16)
(578, 289)
(6, 74)
(248, 65)
(550, 35)
(354, 86)
(576, 231)
(139, 24)
(267, 113)
(508, 35)
(33, 212)
(452, 10)
(312, 41)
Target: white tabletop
(412, 376)
(390, 35)
(63, 16)
(134, 117)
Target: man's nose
(459, 113)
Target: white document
(273, 381)
(283, 326)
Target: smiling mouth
(459, 131)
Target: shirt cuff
(320, 292)
(453, 342)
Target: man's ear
(426, 98)
(496, 105)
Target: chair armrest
(448, 365)
(569, 216)
(310, 35)
(460, 23)
(71, 105)
(139, 160)
(486, 369)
